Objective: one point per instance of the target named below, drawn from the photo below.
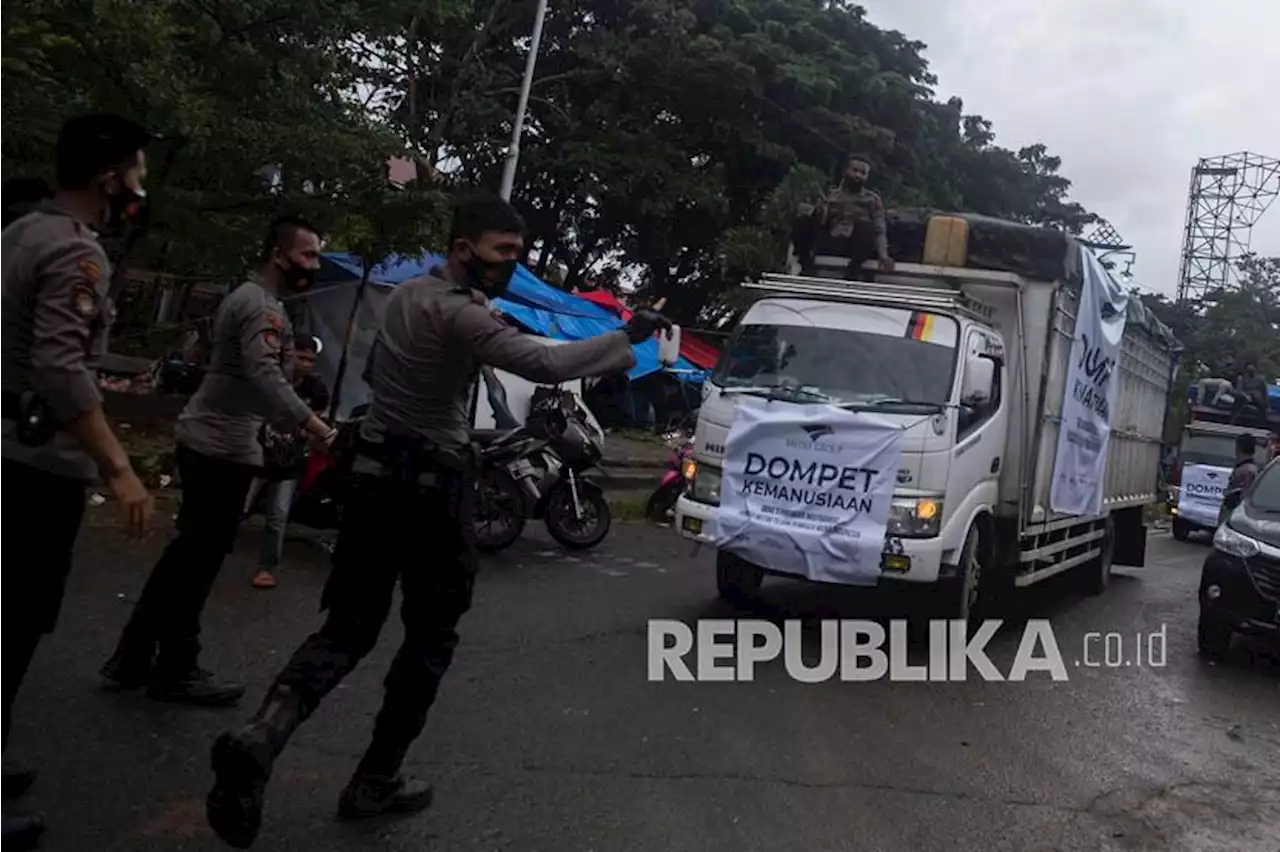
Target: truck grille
(1265, 571)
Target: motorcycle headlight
(706, 483)
(915, 517)
(1233, 543)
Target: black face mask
(490, 277)
(126, 205)
(297, 277)
(854, 184)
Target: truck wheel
(1213, 635)
(1180, 530)
(737, 581)
(963, 596)
(1097, 572)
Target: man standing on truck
(1253, 389)
(848, 220)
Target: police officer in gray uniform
(218, 455)
(410, 518)
(57, 314)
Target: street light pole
(513, 152)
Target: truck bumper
(908, 560)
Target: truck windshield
(882, 366)
(1215, 449)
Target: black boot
(242, 762)
(17, 779)
(194, 685)
(123, 672)
(22, 833)
(374, 795)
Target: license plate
(693, 525)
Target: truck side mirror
(979, 380)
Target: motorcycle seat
(486, 437)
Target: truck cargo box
(1148, 365)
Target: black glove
(643, 324)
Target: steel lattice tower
(1228, 195)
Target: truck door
(982, 419)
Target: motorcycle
(535, 471)
(325, 484)
(675, 480)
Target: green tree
(258, 106)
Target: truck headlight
(706, 484)
(1234, 544)
(915, 517)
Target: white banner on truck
(1080, 467)
(1200, 494)
(806, 489)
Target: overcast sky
(1129, 93)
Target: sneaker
(371, 796)
(195, 686)
(264, 579)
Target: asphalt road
(548, 736)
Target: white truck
(971, 508)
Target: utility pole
(513, 151)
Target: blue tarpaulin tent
(529, 301)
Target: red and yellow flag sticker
(921, 327)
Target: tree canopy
(665, 137)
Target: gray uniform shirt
(434, 338)
(57, 315)
(248, 380)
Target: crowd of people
(411, 462)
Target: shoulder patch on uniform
(92, 272)
(84, 300)
(275, 321)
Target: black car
(1240, 583)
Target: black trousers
(44, 516)
(167, 616)
(809, 241)
(425, 538)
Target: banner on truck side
(806, 489)
(1200, 493)
(1080, 467)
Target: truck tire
(737, 581)
(1096, 574)
(1180, 530)
(963, 597)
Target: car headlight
(706, 484)
(915, 517)
(1233, 543)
